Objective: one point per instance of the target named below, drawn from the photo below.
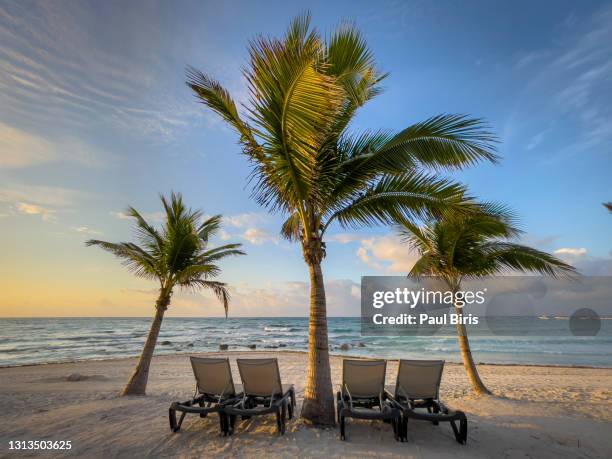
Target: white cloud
(585, 263)
(86, 230)
(149, 216)
(259, 236)
(570, 251)
(382, 253)
(244, 220)
(26, 208)
(387, 253)
(344, 238)
(224, 235)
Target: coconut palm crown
(308, 164)
(177, 255)
(470, 245)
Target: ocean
(36, 341)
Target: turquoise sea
(33, 341)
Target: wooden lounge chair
(418, 387)
(263, 393)
(214, 389)
(362, 395)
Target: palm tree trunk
(466, 356)
(318, 406)
(137, 384)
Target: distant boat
(561, 317)
(543, 317)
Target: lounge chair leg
(172, 419)
(180, 422)
(396, 428)
(405, 428)
(284, 415)
(461, 433)
(342, 428)
(279, 421)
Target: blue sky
(95, 115)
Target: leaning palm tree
(478, 244)
(304, 92)
(178, 255)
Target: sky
(95, 116)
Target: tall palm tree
(178, 255)
(471, 245)
(304, 92)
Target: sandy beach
(542, 412)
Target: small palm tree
(304, 92)
(477, 244)
(176, 256)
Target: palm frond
(209, 227)
(217, 98)
(505, 256)
(138, 261)
(406, 196)
(292, 227)
(450, 141)
(218, 288)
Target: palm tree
(176, 256)
(304, 92)
(469, 245)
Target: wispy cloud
(55, 71)
(569, 84)
(20, 149)
(51, 196)
(47, 202)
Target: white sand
(546, 412)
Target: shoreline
(289, 351)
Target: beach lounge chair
(418, 387)
(214, 389)
(362, 395)
(264, 393)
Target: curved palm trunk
(466, 356)
(318, 406)
(137, 384)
